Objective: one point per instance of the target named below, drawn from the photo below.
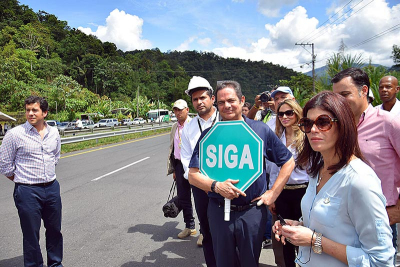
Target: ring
(288, 240)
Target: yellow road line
(136, 140)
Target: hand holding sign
(228, 190)
(232, 154)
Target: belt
(239, 207)
(295, 186)
(41, 184)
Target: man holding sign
(237, 242)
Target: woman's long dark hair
(347, 142)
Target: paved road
(112, 198)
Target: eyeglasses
(288, 113)
(323, 122)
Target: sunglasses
(323, 122)
(288, 113)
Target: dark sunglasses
(288, 113)
(323, 122)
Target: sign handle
(227, 209)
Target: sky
(254, 30)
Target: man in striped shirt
(29, 154)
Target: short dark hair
(208, 91)
(347, 143)
(359, 77)
(44, 106)
(232, 84)
(247, 104)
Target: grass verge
(109, 140)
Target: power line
(355, 12)
(325, 21)
(395, 27)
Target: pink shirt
(178, 140)
(379, 140)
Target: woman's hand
(281, 232)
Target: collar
(209, 119)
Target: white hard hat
(198, 82)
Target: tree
(396, 54)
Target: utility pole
(313, 60)
(137, 102)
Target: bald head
(388, 89)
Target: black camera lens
(265, 96)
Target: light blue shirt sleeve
(367, 212)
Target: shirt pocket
(326, 210)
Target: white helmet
(198, 82)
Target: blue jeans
(35, 203)
(268, 230)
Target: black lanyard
(198, 122)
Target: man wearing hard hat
(201, 93)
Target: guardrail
(96, 136)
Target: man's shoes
(266, 243)
(186, 232)
(200, 240)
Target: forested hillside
(42, 55)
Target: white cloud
(205, 42)
(185, 45)
(123, 29)
(278, 44)
(271, 8)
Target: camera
(265, 96)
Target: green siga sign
(232, 150)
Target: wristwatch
(213, 186)
(317, 247)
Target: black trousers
(184, 194)
(288, 206)
(201, 203)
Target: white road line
(98, 178)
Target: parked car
(173, 118)
(126, 122)
(87, 124)
(52, 123)
(107, 123)
(67, 126)
(62, 125)
(138, 121)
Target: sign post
(232, 150)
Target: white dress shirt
(395, 109)
(190, 135)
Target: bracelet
(213, 186)
(255, 106)
(312, 237)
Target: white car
(107, 123)
(139, 121)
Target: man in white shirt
(175, 167)
(388, 89)
(201, 93)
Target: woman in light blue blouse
(344, 218)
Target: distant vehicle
(62, 125)
(126, 122)
(107, 123)
(173, 118)
(52, 123)
(87, 124)
(139, 121)
(158, 115)
(67, 126)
